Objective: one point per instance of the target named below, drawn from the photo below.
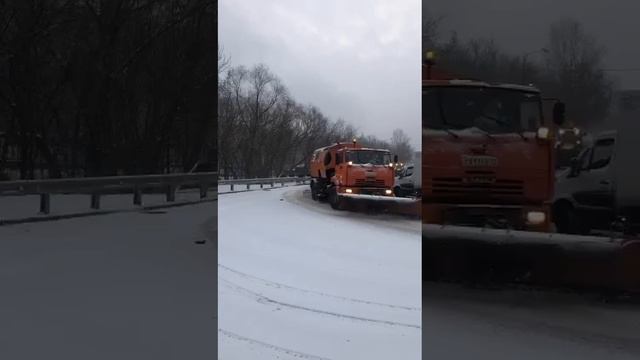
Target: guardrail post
(137, 196)
(272, 184)
(261, 186)
(171, 193)
(248, 186)
(203, 191)
(45, 203)
(231, 187)
(95, 201)
(282, 183)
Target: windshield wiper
(501, 123)
(484, 132)
(487, 134)
(450, 132)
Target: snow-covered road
(297, 280)
(462, 323)
(121, 286)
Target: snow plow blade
(471, 254)
(394, 199)
(391, 204)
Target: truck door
(594, 194)
(341, 167)
(408, 178)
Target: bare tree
(430, 27)
(575, 63)
(223, 61)
(101, 87)
(263, 131)
(572, 71)
(401, 145)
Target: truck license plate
(479, 161)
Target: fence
(98, 186)
(263, 181)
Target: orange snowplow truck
(487, 154)
(349, 171)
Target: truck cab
(487, 155)
(349, 171)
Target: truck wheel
(334, 200)
(314, 192)
(397, 191)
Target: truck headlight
(388, 191)
(543, 133)
(348, 191)
(536, 217)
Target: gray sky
(520, 26)
(358, 60)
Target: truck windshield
(369, 157)
(496, 111)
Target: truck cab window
(368, 157)
(430, 109)
(584, 159)
(409, 171)
(602, 152)
(327, 159)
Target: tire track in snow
(293, 353)
(266, 300)
(306, 291)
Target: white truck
(601, 190)
(409, 182)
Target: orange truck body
(348, 170)
(475, 177)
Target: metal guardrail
(98, 186)
(263, 181)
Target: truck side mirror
(575, 167)
(395, 159)
(558, 113)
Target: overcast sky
(358, 60)
(521, 25)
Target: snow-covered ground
(121, 286)
(516, 324)
(298, 280)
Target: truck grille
(372, 182)
(476, 184)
